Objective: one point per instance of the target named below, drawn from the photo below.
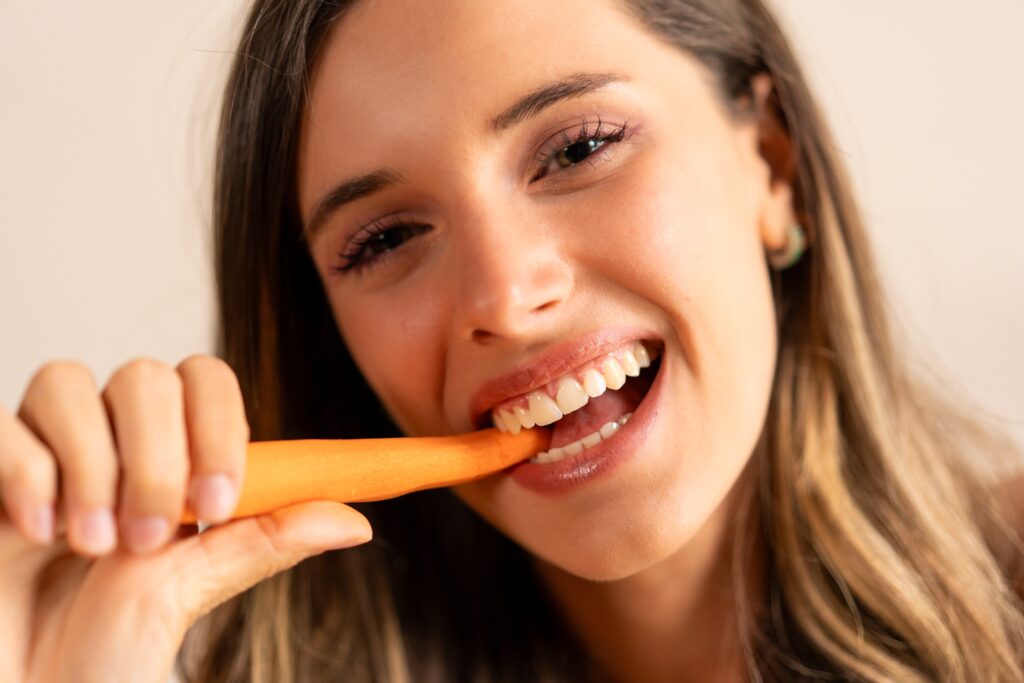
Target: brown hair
(881, 557)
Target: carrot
(280, 473)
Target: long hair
(884, 557)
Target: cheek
(394, 341)
(682, 237)
(680, 230)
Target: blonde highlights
(886, 556)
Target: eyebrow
(523, 109)
(347, 192)
(574, 85)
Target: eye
(376, 241)
(576, 146)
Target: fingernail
(146, 533)
(213, 497)
(40, 524)
(97, 531)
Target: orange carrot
(280, 473)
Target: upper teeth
(572, 391)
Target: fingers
(229, 559)
(217, 436)
(27, 529)
(28, 480)
(124, 459)
(145, 401)
(62, 407)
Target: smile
(586, 405)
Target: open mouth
(586, 406)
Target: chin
(638, 543)
(686, 525)
(619, 563)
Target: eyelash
(354, 255)
(583, 134)
(376, 232)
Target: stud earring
(796, 244)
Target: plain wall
(106, 122)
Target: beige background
(107, 112)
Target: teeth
(642, 357)
(573, 392)
(593, 383)
(630, 365)
(509, 421)
(614, 375)
(570, 395)
(577, 447)
(544, 410)
(524, 416)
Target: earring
(796, 244)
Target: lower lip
(576, 470)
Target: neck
(676, 620)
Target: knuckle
(143, 373)
(36, 475)
(151, 485)
(89, 478)
(144, 503)
(270, 535)
(219, 435)
(218, 419)
(205, 364)
(89, 492)
(54, 376)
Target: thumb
(229, 559)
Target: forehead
(451, 51)
(396, 67)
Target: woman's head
(476, 244)
(485, 249)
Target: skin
(677, 216)
(73, 595)
(677, 220)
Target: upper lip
(557, 360)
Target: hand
(112, 598)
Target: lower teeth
(577, 447)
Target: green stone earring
(796, 244)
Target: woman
(434, 217)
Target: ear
(775, 149)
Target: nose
(514, 278)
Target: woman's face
(488, 251)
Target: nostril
(481, 336)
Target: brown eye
(575, 149)
(377, 241)
(578, 151)
(390, 239)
